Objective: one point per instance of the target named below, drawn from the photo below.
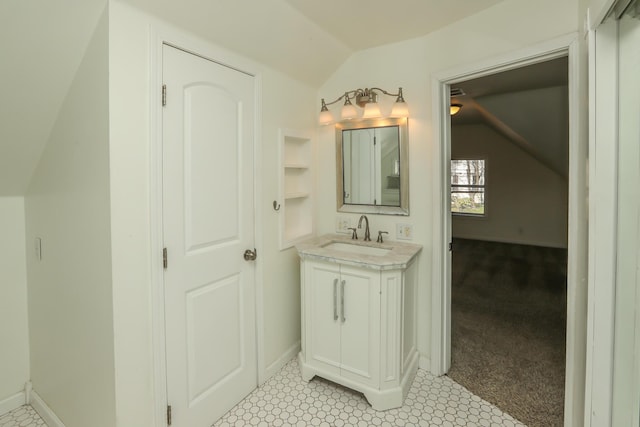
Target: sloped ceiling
(268, 31)
(41, 46)
(309, 39)
(42, 43)
(361, 24)
(528, 105)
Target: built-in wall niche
(296, 187)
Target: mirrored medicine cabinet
(372, 165)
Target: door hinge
(450, 246)
(164, 95)
(168, 415)
(165, 262)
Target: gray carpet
(508, 327)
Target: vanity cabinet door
(322, 317)
(360, 321)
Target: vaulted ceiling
(42, 43)
(528, 105)
(309, 39)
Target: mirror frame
(403, 134)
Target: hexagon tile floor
(24, 416)
(287, 400)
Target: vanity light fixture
(455, 109)
(365, 98)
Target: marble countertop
(400, 254)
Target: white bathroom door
(208, 224)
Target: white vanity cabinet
(358, 323)
(342, 306)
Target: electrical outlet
(404, 231)
(342, 224)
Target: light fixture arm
(399, 94)
(349, 95)
(366, 92)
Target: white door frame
(603, 166)
(577, 233)
(160, 35)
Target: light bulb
(455, 109)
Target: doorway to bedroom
(509, 223)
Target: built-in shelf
(298, 195)
(296, 165)
(296, 187)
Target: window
(467, 187)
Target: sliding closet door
(626, 366)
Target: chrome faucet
(367, 235)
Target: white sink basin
(356, 249)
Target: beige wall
(526, 201)
(14, 332)
(506, 27)
(69, 290)
(285, 103)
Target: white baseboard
(12, 402)
(44, 411)
(424, 363)
(281, 361)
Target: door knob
(250, 255)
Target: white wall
(69, 290)
(131, 250)
(506, 27)
(14, 332)
(526, 202)
(285, 103)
